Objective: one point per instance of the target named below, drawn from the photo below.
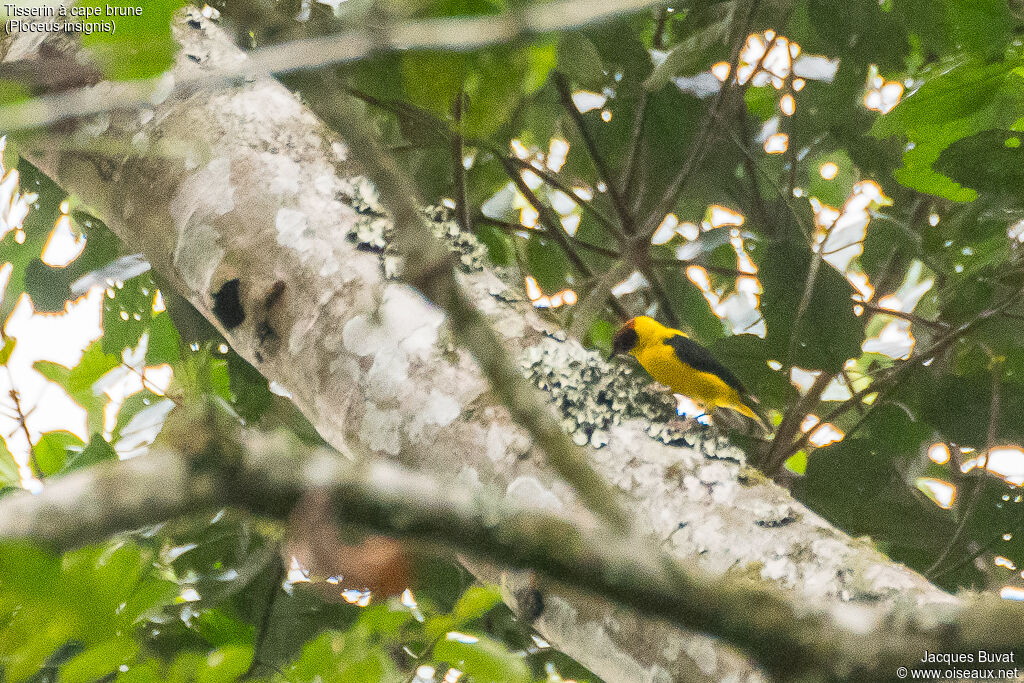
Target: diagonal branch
(429, 269)
(971, 503)
(268, 474)
(554, 230)
(605, 174)
(458, 167)
(780, 451)
(702, 140)
(885, 384)
(513, 228)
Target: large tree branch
(269, 197)
(429, 267)
(268, 474)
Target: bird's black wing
(699, 358)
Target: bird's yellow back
(673, 359)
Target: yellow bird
(683, 365)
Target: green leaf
(97, 450)
(51, 451)
(37, 226)
(547, 263)
(49, 286)
(226, 663)
(78, 381)
(966, 100)
(709, 31)
(11, 92)
(131, 407)
(9, 476)
(499, 245)
(980, 26)
(580, 60)
(475, 602)
(7, 350)
(371, 667)
(828, 333)
(835, 190)
(854, 485)
(127, 315)
(98, 660)
(141, 46)
(990, 162)
(494, 82)
(219, 627)
(482, 658)
(251, 396)
(761, 102)
(747, 356)
(164, 341)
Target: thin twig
(458, 167)
(554, 182)
(970, 557)
(898, 371)
(720, 270)
(441, 128)
(805, 301)
(514, 228)
(658, 287)
(628, 177)
(268, 609)
(910, 317)
(22, 418)
(979, 468)
(658, 40)
(565, 95)
(752, 161)
(750, 167)
(701, 141)
(549, 220)
(791, 421)
(554, 230)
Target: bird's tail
(748, 412)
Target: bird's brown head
(626, 338)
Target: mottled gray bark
(246, 183)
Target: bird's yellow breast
(661, 363)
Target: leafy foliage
(783, 263)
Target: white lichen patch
(292, 226)
(767, 515)
(381, 430)
(703, 653)
(504, 443)
(197, 255)
(283, 174)
(781, 569)
(438, 410)
(530, 493)
(205, 194)
(372, 230)
(387, 376)
(362, 337)
(405, 321)
(593, 394)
